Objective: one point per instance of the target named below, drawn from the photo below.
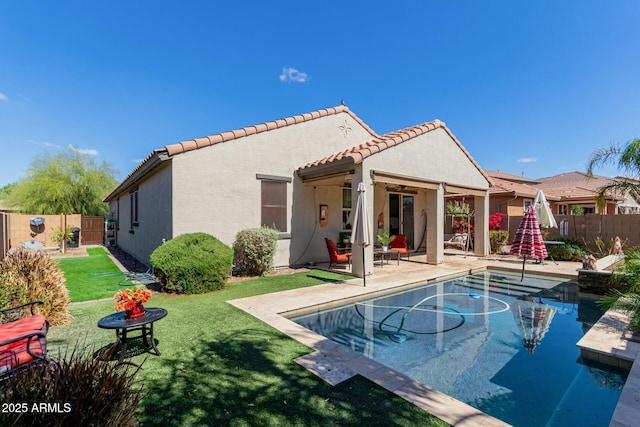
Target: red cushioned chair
(22, 339)
(399, 244)
(334, 256)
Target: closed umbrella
(528, 241)
(543, 211)
(361, 232)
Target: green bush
(572, 250)
(192, 264)
(497, 239)
(254, 250)
(78, 390)
(33, 276)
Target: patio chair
(22, 339)
(334, 256)
(458, 240)
(399, 245)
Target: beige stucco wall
(154, 215)
(432, 156)
(216, 191)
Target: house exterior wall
(154, 215)
(215, 189)
(432, 156)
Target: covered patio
(408, 175)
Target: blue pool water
(505, 347)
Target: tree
(4, 191)
(627, 158)
(68, 182)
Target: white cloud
(86, 151)
(527, 160)
(292, 75)
(137, 161)
(3, 97)
(49, 144)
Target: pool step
(498, 287)
(511, 284)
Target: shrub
(79, 389)
(192, 264)
(254, 250)
(572, 250)
(495, 221)
(497, 239)
(30, 276)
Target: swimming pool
(505, 347)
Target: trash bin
(75, 238)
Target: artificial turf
(222, 367)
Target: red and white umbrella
(528, 241)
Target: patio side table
(124, 326)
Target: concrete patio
(335, 363)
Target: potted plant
(131, 300)
(384, 239)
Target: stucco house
(297, 174)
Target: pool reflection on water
(505, 347)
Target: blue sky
(529, 88)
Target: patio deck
(335, 363)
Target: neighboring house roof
(576, 186)
(510, 177)
(360, 152)
(574, 179)
(503, 186)
(159, 155)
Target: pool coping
(336, 363)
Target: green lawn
(91, 278)
(222, 367)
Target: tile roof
(360, 152)
(168, 151)
(574, 179)
(194, 144)
(501, 186)
(510, 177)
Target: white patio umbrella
(361, 231)
(543, 211)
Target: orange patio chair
(399, 244)
(334, 256)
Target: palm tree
(627, 299)
(627, 158)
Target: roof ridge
(194, 144)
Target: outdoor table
(124, 326)
(382, 255)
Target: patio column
(435, 225)
(481, 232)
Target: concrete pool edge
(335, 363)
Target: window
(274, 205)
(527, 203)
(563, 209)
(346, 208)
(589, 209)
(133, 204)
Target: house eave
(145, 168)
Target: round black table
(124, 326)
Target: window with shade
(274, 205)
